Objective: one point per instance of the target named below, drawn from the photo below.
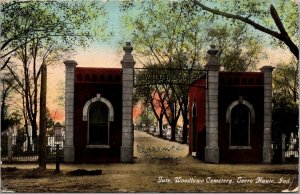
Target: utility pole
(43, 119)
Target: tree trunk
(160, 125)
(173, 130)
(184, 132)
(295, 95)
(43, 120)
(185, 121)
(34, 129)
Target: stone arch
(244, 102)
(95, 99)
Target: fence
(291, 151)
(23, 148)
(286, 149)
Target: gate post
(69, 111)
(212, 112)
(127, 97)
(267, 149)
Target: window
(240, 115)
(98, 124)
(99, 113)
(240, 125)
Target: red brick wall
(250, 86)
(197, 96)
(88, 83)
(232, 85)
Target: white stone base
(69, 154)
(267, 156)
(212, 154)
(127, 154)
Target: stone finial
(128, 56)
(70, 62)
(267, 68)
(212, 60)
(213, 51)
(128, 48)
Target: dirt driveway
(160, 166)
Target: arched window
(98, 112)
(240, 114)
(98, 128)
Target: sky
(98, 54)
(107, 54)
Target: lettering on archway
(160, 76)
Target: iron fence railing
(291, 152)
(23, 148)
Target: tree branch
(5, 63)
(283, 36)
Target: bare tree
(42, 32)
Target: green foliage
(60, 24)
(161, 38)
(36, 32)
(238, 50)
(286, 81)
(285, 115)
(259, 12)
(10, 120)
(147, 118)
(286, 97)
(172, 32)
(171, 35)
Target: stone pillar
(212, 112)
(69, 111)
(267, 150)
(127, 97)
